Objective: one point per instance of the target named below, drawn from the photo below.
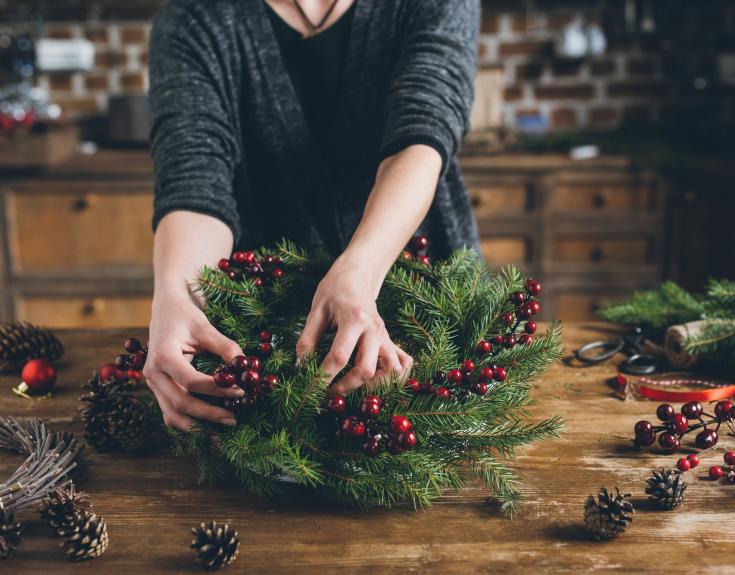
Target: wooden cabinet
(76, 242)
(591, 231)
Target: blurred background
(600, 158)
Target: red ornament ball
(680, 423)
(693, 460)
(400, 424)
(484, 347)
(413, 385)
(665, 412)
(39, 375)
(730, 457)
(692, 409)
(683, 464)
(224, 264)
(337, 404)
(530, 327)
(715, 472)
(533, 287)
(468, 366)
(723, 410)
(110, 371)
(370, 406)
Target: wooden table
(150, 502)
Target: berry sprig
(127, 366)
(246, 371)
(417, 249)
(246, 264)
(716, 472)
(459, 382)
(396, 436)
(675, 426)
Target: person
(333, 123)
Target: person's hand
(345, 301)
(178, 330)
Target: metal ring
(638, 364)
(608, 349)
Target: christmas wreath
(462, 412)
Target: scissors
(631, 344)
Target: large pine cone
(61, 508)
(666, 488)
(87, 537)
(20, 342)
(216, 545)
(9, 533)
(608, 516)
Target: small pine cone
(216, 545)
(20, 342)
(133, 426)
(666, 488)
(9, 533)
(61, 508)
(87, 538)
(608, 516)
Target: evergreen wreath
(462, 412)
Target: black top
(230, 139)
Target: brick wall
(650, 77)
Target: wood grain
(151, 501)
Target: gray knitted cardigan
(229, 137)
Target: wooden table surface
(150, 502)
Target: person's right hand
(178, 330)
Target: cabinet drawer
(85, 311)
(506, 250)
(57, 229)
(602, 250)
(490, 199)
(572, 306)
(602, 196)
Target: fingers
(389, 363)
(365, 365)
(342, 348)
(212, 340)
(316, 324)
(170, 417)
(406, 362)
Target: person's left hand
(345, 302)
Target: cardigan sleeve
(431, 92)
(193, 139)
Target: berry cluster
(246, 371)
(417, 249)
(459, 382)
(525, 308)
(675, 425)
(128, 365)
(397, 436)
(246, 264)
(716, 471)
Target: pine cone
(61, 508)
(666, 488)
(87, 537)
(115, 418)
(9, 533)
(608, 516)
(20, 342)
(216, 545)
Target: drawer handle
(598, 201)
(84, 202)
(475, 201)
(597, 255)
(93, 307)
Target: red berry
(683, 464)
(265, 349)
(419, 243)
(371, 447)
(442, 392)
(139, 358)
(533, 287)
(533, 307)
(232, 274)
(370, 406)
(498, 340)
(665, 412)
(517, 297)
(224, 264)
(110, 371)
(484, 347)
(413, 385)
(424, 260)
(722, 410)
(124, 361)
(706, 438)
(258, 282)
(468, 366)
(407, 439)
(530, 327)
(265, 335)
(337, 404)
(134, 374)
(693, 460)
(250, 376)
(668, 440)
(680, 423)
(509, 341)
(644, 434)
(525, 339)
(479, 388)
(240, 363)
(254, 362)
(277, 273)
(39, 375)
(407, 256)
(356, 428)
(500, 374)
(271, 381)
(486, 373)
(454, 376)
(692, 409)
(399, 424)
(508, 318)
(394, 447)
(730, 457)
(715, 472)
(224, 378)
(132, 345)
(240, 258)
